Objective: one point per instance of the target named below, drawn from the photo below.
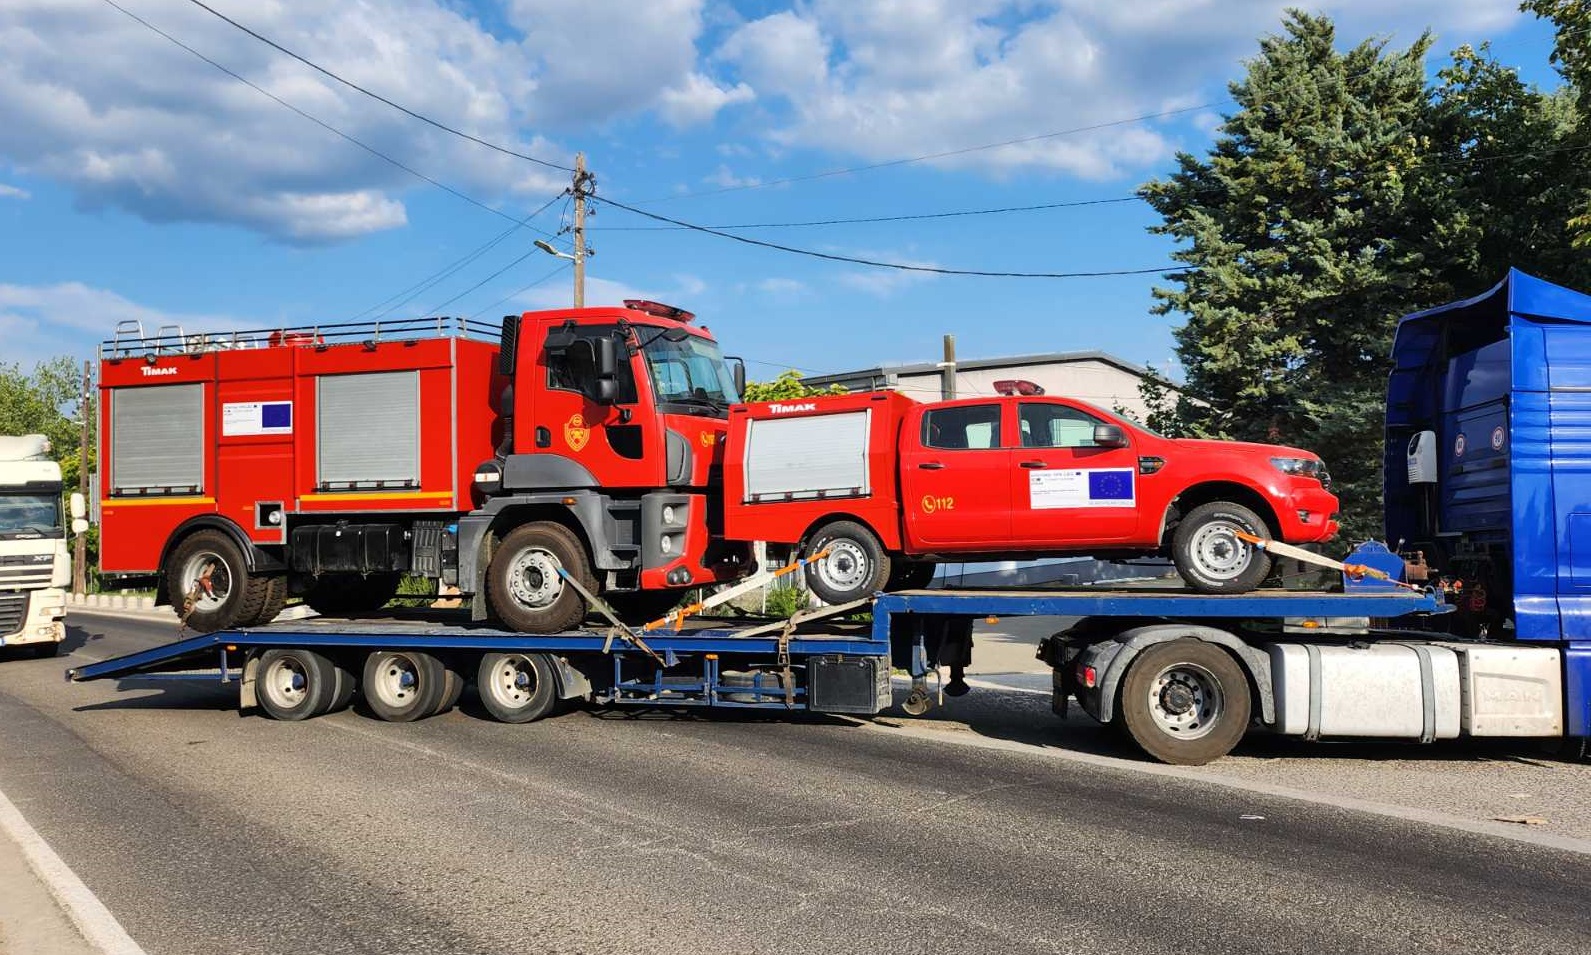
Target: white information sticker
(256, 417)
(1096, 487)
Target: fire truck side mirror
(738, 369)
(607, 357)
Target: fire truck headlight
(667, 544)
(668, 514)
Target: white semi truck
(35, 567)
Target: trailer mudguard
(1112, 658)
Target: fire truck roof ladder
(130, 341)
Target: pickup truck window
(1056, 426)
(967, 427)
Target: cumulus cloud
(40, 321)
(882, 79)
(128, 120)
(14, 192)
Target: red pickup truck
(888, 486)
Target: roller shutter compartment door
(807, 457)
(157, 439)
(367, 433)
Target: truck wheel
(1185, 702)
(523, 588)
(516, 687)
(911, 575)
(209, 566)
(1209, 555)
(452, 689)
(294, 685)
(856, 565)
(402, 686)
(271, 606)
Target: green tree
(1302, 248)
(1571, 54)
(787, 385)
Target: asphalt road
(207, 832)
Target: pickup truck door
(954, 478)
(1066, 490)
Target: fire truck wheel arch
(254, 558)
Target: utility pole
(947, 370)
(581, 185)
(80, 543)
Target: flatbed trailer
(1187, 673)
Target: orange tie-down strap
(676, 617)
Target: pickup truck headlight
(1303, 467)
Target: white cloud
(14, 192)
(724, 179)
(128, 120)
(882, 79)
(39, 321)
(699, 99)
(884, 282)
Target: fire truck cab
(331, 461)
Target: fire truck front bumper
(678, 548)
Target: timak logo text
(777, 408)
(157, 372)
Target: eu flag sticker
(276, 416)
(1110, 488)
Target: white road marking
(100, 928)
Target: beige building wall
(1097, 382)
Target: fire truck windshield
(690, 371)
(29, 515)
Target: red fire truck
(887, 486)
(331, 461)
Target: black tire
(516, 687)
(644, 606)
(44, 651)
(1185, 702)
(1208, 555)
(523, 589)
(347, 683)
(452, 689)
(857, 565)
(234, 595)
(334, 595)
(293, 685)
(401, 686)
(911, 574)
(275, 600)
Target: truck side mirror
(607, 391)
(738, 369)
(77, 506)
(1109, 436)
(607, 357)
(79, 525)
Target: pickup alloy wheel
(1210, 556)
(855, 567)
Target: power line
(897, 218)
(438, 309)
(377, 96)
(415, 291)
(520, 291)
(316, 120)
(901, 266)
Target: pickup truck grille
(13, 610)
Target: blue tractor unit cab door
(1504, 381)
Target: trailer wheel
(857, 565)
(1185, 702)
(208, 565)
(452, 689)
(516, 687)
(1210, 556)
(522, 584)
(402, 686)
(294, 685)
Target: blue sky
(138, 182)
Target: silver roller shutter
(367, 430)
(807, 457)
(157, 439)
